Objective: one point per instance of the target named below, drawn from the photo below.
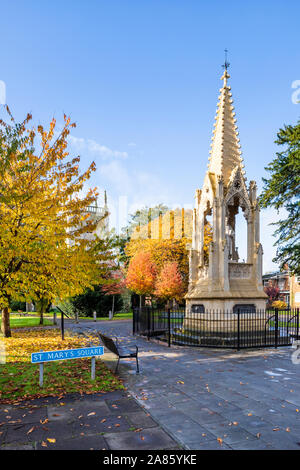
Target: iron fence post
(152, 319)
(133, 321)
(148, 323)
(238, 331)
(62, 326)
(297, 321)
(276, 327)
(169, 327)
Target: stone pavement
(213, 398)
(102, 421)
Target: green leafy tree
(141, 217)
(282, 190)
(95, 300)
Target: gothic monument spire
(225, 152)
(220, 280)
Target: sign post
(63, 355)
(41, 372)
(62, 326)
(93, 368)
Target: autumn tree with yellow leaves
(43, 219)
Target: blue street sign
(67, 354)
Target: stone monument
(221, 282)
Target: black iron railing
(219, 329)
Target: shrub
(16, 306)
(279, 304)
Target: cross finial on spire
(226, 63)
(225, 66)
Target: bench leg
(117, 365)
(137, 366)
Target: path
(214, 399)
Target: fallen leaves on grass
(19, 378)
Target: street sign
(50, 356)
(63, 355)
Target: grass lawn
(19, 379)
(117, 316)
(16, 321)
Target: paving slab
(148, 439)
(78, 443)
(140, 418)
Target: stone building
(100, 215)
(222, 282)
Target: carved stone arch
(208, 209)
(236, 200)
(236, 185)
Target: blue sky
(141, 79)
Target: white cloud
(104, 151)
(93, 147)
(77, 142)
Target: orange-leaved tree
(161, 252)
(141, 274)
(42, 215)
(169, 284)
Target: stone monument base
(219, 322)
(242, 294)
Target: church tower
(220, 281)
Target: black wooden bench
(119, 351)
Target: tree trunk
(140, 301)
(39, 309)
(5, 326)
(43, 304)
